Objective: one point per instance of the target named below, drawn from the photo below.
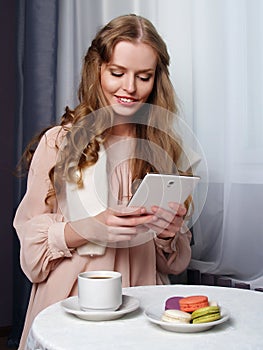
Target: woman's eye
(141, 77)
(117, 74)
(144, 78)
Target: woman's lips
(126, 100)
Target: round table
(56, 329)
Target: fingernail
(183, 210)
(174, 206)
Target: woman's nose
(129, 83)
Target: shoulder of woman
(188, 159)
(55, 135)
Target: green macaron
(206, 314)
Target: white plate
(128, 305)
(154, 314)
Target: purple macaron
(173, 303)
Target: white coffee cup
(99, 290)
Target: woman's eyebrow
(146, 70)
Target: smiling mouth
(126, 99)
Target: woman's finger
(130, 221)
(127, 211)
(179, 209)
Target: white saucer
(128, 305)
(154, 314)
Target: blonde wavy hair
(156, 128)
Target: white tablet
(160, 189)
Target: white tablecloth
(54, 329)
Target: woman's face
(127, 80)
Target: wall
(7, 111)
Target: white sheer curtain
(227, 114)
(216, 67)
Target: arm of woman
(45, 237)
(39, 227)
(172, 246)
(174, 254)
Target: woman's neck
(124, 129)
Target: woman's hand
(109, 226)
(168, 223)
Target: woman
(125, 74)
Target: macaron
(193, 302)
(176, 316)
(173, 303)
(206, 314)
(212, 303)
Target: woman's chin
(126, 110)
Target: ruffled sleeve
(173, 255)
(39, 227)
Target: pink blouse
(53, 268)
